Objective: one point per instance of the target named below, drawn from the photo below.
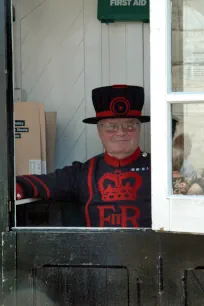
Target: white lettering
(120, 2)
(140, 2)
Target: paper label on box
(44, 167)
(17, 135)
(19, 122)
(22, 129)
(35, 167)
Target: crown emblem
(119, 186)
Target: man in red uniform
(112, 189)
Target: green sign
(123, 10)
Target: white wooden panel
(146, 61)
(186, 215)
(34, 34)
(69, 97)
(70, 138)
(105, 55)
(77, 152)
(93, 71)
(71, 101)
(28, 6)
(117, 45)
(49, 45)
(73, 106)
(59, 96)
(134, 54)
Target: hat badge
(120, 106)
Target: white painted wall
(62, 52)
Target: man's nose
(121, 130)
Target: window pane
(187, 45)
(188, 149)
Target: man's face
(120, 137)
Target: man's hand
(19, 192)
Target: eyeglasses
(126, 126)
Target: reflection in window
(187, 45)
(188, 149)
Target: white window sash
(184, 98)
(159, 70)
(169, 212)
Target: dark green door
(94, 267)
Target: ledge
(26, 201)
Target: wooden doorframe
(8, 239)
(4, 83)
(7, 176)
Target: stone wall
(188, 45)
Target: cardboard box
(30, 138)
(51, 122)
(43, 140)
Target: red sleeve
(60, 185)
(19, 192)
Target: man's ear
(98, 128)
(99, 132)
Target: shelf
(26, 201)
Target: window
(177, 96)
(60, 65)
(188, 149)
(187, 45)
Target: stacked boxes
(35, 133)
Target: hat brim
(95, 120)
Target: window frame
(174, 213)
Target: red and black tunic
(111, 192)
